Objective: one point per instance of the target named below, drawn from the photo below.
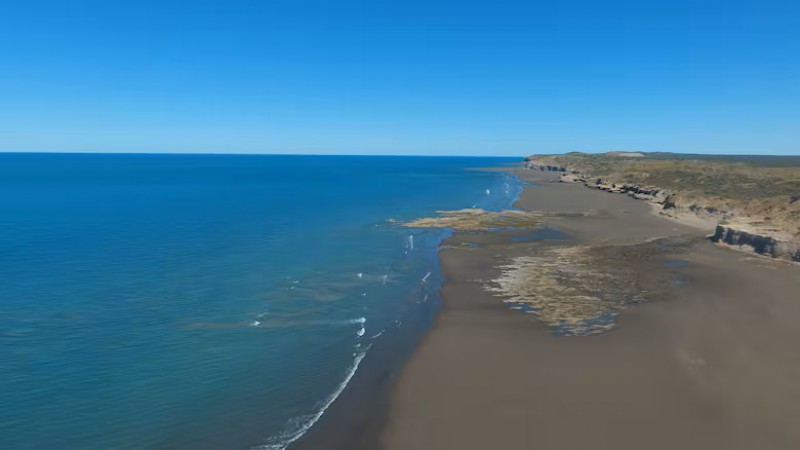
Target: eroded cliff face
(764, 245)
(740, 213)
(531, 163)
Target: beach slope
(696, 348)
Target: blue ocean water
(188, 301)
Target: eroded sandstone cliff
(751, 204)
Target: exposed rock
(763, 245)
(565, 288)
(753, 200)
(478, 220)
(532, 164)
(580, 290)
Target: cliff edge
(748, 202)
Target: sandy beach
(704, 357)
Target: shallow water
(157, 301)
(541, 234)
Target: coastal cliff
(751, 204)
(764, 245)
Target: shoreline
(355, 419)
(707, 224)
(764, 227)
(668, 375)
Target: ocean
(209, 301)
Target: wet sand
(708, 360)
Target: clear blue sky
(421, 77)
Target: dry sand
(711, 362)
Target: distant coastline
(617, 325)
(357, 417)
(747, 203)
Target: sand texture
(635, 333)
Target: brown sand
(713, 364)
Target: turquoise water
(165, 301)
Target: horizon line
(70, 152)
(90, 152)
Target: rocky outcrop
(649, 193)
(532, 164)
(579, 290)
(743, 227)
(478, 220)
(763, 245)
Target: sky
(429, 77)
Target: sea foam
(290, 437)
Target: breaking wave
(304, 425)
